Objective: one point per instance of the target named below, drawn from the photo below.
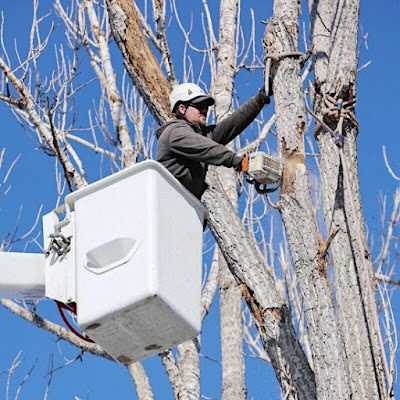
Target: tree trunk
(233, 368)
(233, 377)
(139, 60)
(271, 314)
(331, 373)
(355, 294)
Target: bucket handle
(111, 254)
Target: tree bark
(141, 380)
(233, 367)
(354, 292)
(207, 296)
(174, 375)
(331, 373)
(271, 314)
(190, 370)
(139, 61)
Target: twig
(46, 393)
(364, 66)
(26, 377)
(93, 146)
(388, 166)
(13, 367)
(387, 279)
(271, 204)
(51, 327)
(186, 34)
(147, 29)
(211, 285)
(261, 137)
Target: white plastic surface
(138, 236)
(111, 254)
(60, 270)
(21, 276)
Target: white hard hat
(186, 92)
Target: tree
(322, 337)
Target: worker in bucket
(187, 145)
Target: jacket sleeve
(185, 143)
(229, 128)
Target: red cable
(71, 307)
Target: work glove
(241, 164)
(263, 96)
(266, 96)
(270, 90)
(237, 163)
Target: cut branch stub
(296, 161)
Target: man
(186, 145)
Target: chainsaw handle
(262, 188)
(245, 164)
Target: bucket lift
(128, 251)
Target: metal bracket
(337, 138)
(59, 244)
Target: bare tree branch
(141, 380)
(51, 327)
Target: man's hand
(242, 165)
(266, 98)
(270, 90)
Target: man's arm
(229, 128)
(194, 146)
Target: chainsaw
(262, 170)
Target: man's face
(196, 112)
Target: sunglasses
(199, 106)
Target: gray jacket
(185, 149)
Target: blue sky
(32, 185)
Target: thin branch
(387, 279)
(44, 130)
(173, 372)
(364, 66)
(388, 165)
(159, 17)
(93, 146)
(141, 380)
(185, 33)
(26, 377)
(51, 327)
(211, 285)
(13, 367)
(261, 137)
(147, 29)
